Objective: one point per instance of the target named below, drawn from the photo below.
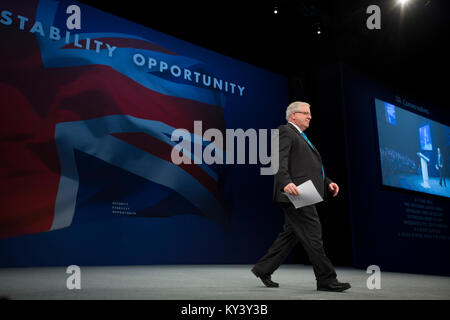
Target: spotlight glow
(402, 2)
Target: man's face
(302, 117)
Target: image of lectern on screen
(424, 167)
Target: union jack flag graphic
(84, 127)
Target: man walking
(299, 161)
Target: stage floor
(210, 282)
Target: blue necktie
(309, 142)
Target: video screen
(413, 150)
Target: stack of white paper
(308, 195)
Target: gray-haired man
(299, 162)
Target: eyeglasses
(305, 113)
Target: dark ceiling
(409, 53)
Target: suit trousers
(442, 176)
(301, 226)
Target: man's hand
(333, 187)
(291, 189)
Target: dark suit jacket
(298, 163)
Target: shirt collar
(295, 126)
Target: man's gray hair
(294, 106)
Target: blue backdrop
(87, 115)
(397, 227)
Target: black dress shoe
(334, 286)
(266, 279)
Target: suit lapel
(301, 136)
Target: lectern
(424, 165)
